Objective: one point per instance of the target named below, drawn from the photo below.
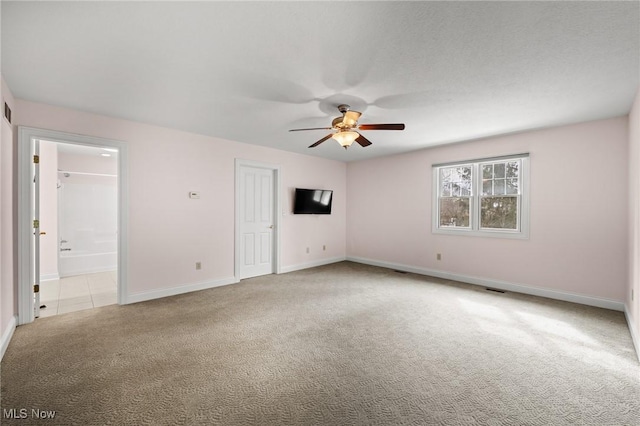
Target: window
(482, 197)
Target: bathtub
(83, 262)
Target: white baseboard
(321, 262)
(7, 334)
(49, 277)
(635, 337)
(501, 285)
(173, 291)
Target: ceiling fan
(346, 127)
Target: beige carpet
(344, 344)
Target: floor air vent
(399, 272)
(494, 290)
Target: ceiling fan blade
(363, 141)
(399, 126)
(321, 140)
(312, 128)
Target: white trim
(313, 264)
(25, 243)
(481, 160)
(25, 246)
(174, 291)
(7, 335)
(465, 232)
(49, 277)
(474, 229)
(635, 337)
(501, 285)
(277, 184)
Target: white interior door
(256, 221)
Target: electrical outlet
(307, 250)
(438, 256)
(324, 248)
(198, 266)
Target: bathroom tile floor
(77, 293)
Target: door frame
(25, 207)
(277, 183)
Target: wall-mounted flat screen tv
(312, 201)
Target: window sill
(514, 235)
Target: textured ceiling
(249, 71)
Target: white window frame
(474, 229)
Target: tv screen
(312, 201)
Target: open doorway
(72, 223)
(78, 227)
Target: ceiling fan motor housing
(338, 123)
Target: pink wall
(168, 232)
(633, 306)
(580, 217)
(7, 244)
(48, 210)
(578, 228)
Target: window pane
(487, 187)
(512, 187)
(498, 170)
(454, 212)
(459, 175)
(499, 212)
(446, 189)
(455, 181)
(463, 174)
(487, 171)
(498, 187)
(513, 169)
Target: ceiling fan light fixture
(346, 138)
(345, 129)
(350, 119)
